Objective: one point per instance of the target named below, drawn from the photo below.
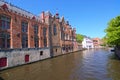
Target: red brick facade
(15, 30)
(29, 31)
(65, 36)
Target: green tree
(104, 41)
(79, 38)
(113, 31)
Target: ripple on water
(97, 64)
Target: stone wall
(117, 51)
(16, 57)
(57, 51)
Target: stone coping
(22, 49)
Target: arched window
(44, 36)
(54, 30)
(44, 31)
(4, 40)
(24, 41)
(35, 29)
(36, 38)
(36, 41)
(4, 36)
(4, 22)
(24, 27)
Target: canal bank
(27, 38)
(117, 51)
(95, 64)
(17, 57)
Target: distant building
(97, 42)
(79, 46)
(87, 43)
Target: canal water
(97, 64)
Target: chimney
(42, 16)
(57, 16)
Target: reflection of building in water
(114, 67)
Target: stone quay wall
(117, 51)
(16, 57)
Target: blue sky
(89, 17)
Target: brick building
(26, 38)
(62, 37)
(22, 29)
(97, 42)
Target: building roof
(19, 10)
(28, 14)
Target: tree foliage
(104, 41)
(79, 38)
(113, 31)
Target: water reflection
(1, 78)
(114, 67)
(87, 65)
